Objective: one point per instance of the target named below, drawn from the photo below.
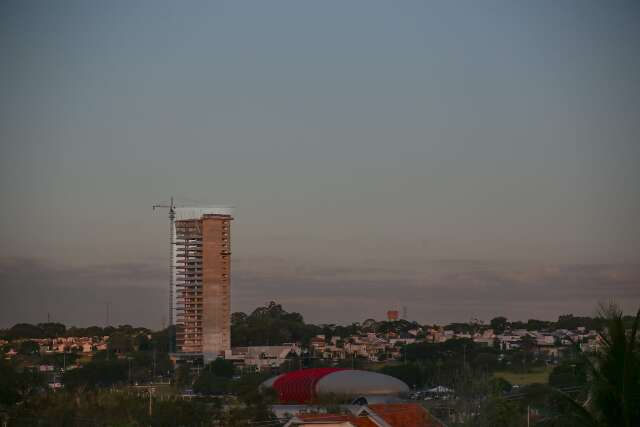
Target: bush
(209, 384)
(568, 374)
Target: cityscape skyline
(462, 160)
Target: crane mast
(172, 216)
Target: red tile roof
(394, 414)
(363, 421)
(405, 415)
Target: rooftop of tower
(186, 212)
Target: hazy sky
(464, 159)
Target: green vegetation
(454, 363)
(18, 386)
(535, 376)
(570, 373)
(598, 390)
(412, 374)
(498, 412)
(89, 399)
(270, 325)
(113, 408)
(482, 377)
(614, 389)
(215, 379)
(97, 374)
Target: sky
(460, 159)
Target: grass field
(538, 375)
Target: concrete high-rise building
(201, 260)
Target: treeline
(121, 407)
(58, 330)
(112, 408)
(97, 394)
(272, 325)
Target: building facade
(202, 277)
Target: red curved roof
(300, 386)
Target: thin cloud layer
(439, 291)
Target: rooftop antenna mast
(172, 217)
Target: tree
(221, 368)
(208, 383)
(571, 322)
(184, 378)
(614, 389)
(521, 361)
(410, 373)
(160, 339)
(270, 325)
(498, 324)
(120, 342)
(25, 330)
(498, 412)
(572, 373)
(528, 344)
(369, 325)
(537, 325)
(17, 386)
(52, 330)
(30, 382)
(142, 342)
(112, 408)
(96, 374)
(59, 360)
(486, 360)
(499, 386)
(8, 384)
(616, 373)
(28, 348)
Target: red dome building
(306, 385)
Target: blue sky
(349, 135)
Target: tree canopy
(270, 325)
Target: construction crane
(172, 217)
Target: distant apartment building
(202, 267)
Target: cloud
(32, 289)
(444, 291)
(435, 291)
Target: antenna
(172, 217)
(108, 306)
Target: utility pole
(151, 390)
(172, 217)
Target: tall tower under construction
(201, 260)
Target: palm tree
(614, 390)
